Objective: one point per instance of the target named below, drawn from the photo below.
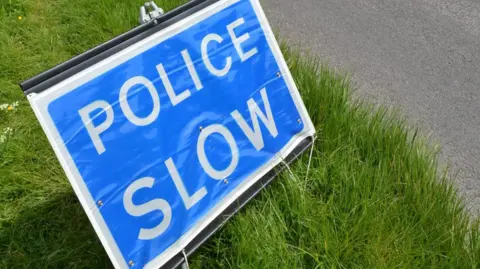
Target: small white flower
(9, 107)
(7, 131)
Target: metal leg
(185, 264)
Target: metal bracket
(185, 263)
(154, 12)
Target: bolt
(225, 181)
(278, 74)
(130, 263)
(299, 121)
(201, 128)
(31, 95)
(100, 203)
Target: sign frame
(175, 21)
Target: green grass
(373, 197)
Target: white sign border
(39, 103)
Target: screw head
(279, 74)
(201, 128)
(99, 203)
(225, 181)
(299, 121)
(130, 263)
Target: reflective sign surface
(161, 137)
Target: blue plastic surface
(132, 152)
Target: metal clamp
(154, 12)
(185, 263)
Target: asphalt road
(422, 56)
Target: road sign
(161, 137)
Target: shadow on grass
(54, 234)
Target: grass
(373, 197)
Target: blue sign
(158, 139)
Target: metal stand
(185, 263)
(154, 12)
(153, 19)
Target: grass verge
(372, 198)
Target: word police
(177, 96)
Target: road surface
(422, 56)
